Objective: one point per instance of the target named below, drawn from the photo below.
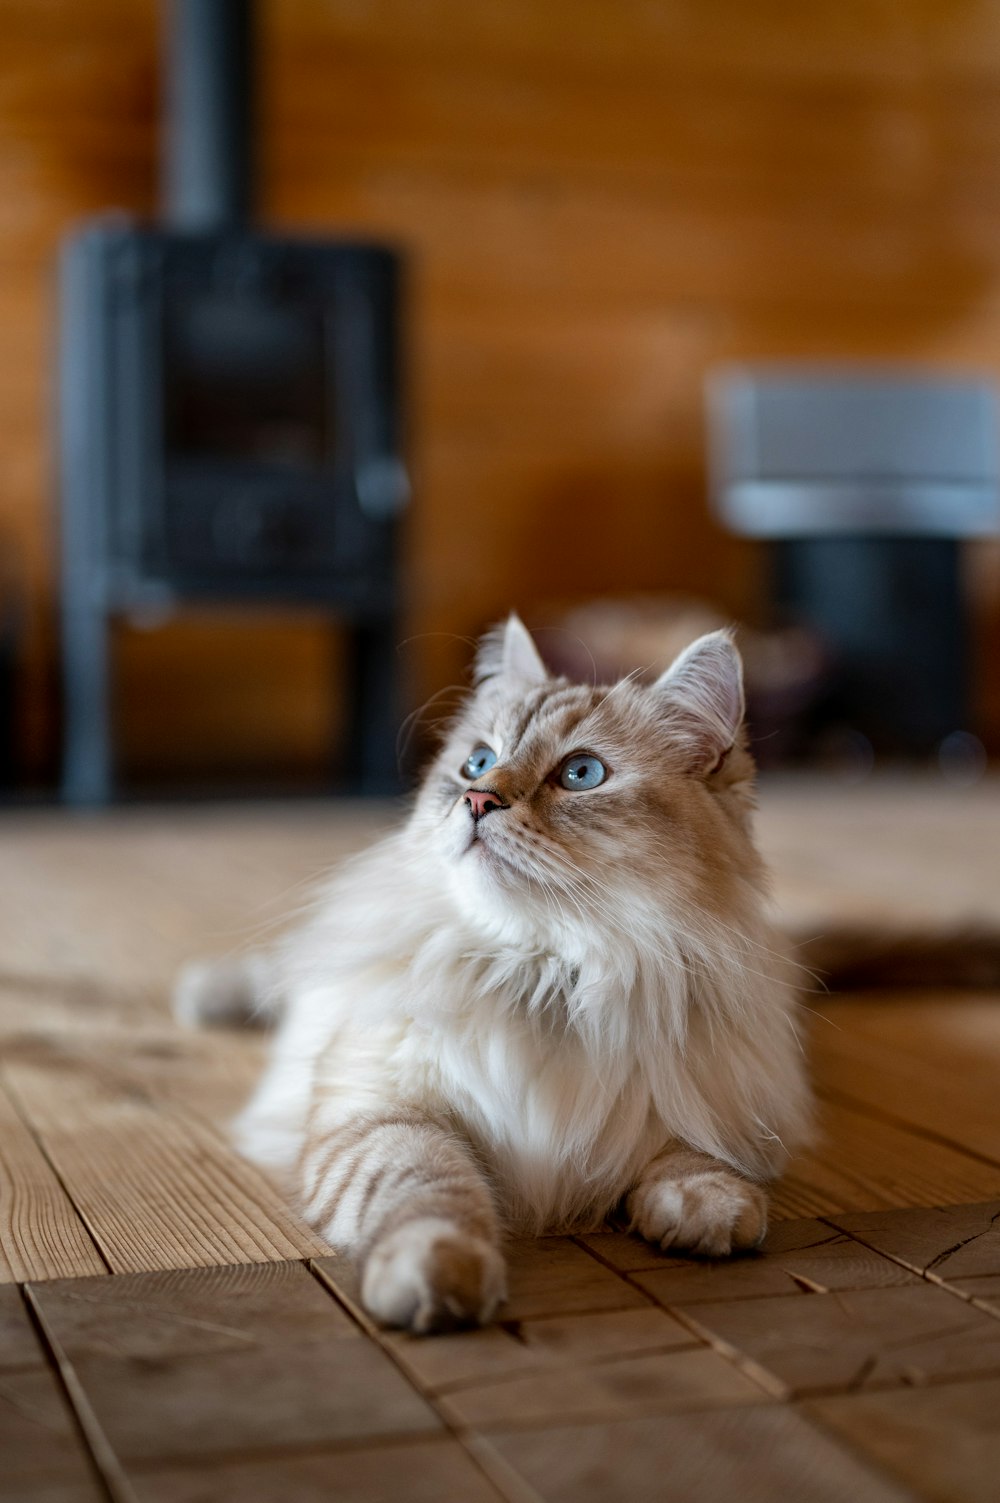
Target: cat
(552, 992)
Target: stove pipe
(208, 124)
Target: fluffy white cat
(554, 992)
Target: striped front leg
(404, 1196)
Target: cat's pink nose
(480, 801)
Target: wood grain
(944, 1244)
(43, 1458)
(102, 911)
(871, 1338)
(755, 1453)
(663, 1383)
(19, 1346)
(421, 1472)
(864, 1162)
(521, 1348)
(453, 1361)
(554, 1276)
(943, 1442)
(153, 1317)
(226, 1371)
(605, 1333)
(156, 1189)
(983, 1292)
(931, 1072)
(837, 1263)
(41, 1233)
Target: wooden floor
(169, 1331)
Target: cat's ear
(509, 652)
(702, 691)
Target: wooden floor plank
(191, 1312)
(862, 1162)
(796, 1196)
(206, 1072)
(42, 1458)
(930, 1064)
(856, 1340)
(41, 1235)
(19, 1345)
(754, 1454)
(556, 1276)
(841, 1264)
(238, 1403)
(223, 1364)
(960, 1031)
(585, 1392)
(808, 1249)
(521, 1344)
(984, 1292)
(50, 1005)
(905, 850)
(157, 1188)
(602, 1334)
(431, 1471)
(210, 1071)
(943, 1441)
(125, 896)
(946, 1244)
(453, 1360)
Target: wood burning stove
(229, 415)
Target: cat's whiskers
(623, 683)
(589, 901)
(410, 722)
(745, 942)
(576, 887)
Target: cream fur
(589, 980)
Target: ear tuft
(703, 692)
(508, 651)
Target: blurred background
(586, 210)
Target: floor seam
(99, 1452)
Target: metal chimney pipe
(208, 126)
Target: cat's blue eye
(479, 760)
(582, 771)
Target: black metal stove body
(229, 417)
(229, 413)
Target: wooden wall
(602, 199)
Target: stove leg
(371, 765)
(88, 775)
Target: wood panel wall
(601, 200)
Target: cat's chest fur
(562, 1121)
(558, 1128)
(557, 1131)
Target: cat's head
(561, 807)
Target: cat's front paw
(709, 1211)
(429, 1275)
